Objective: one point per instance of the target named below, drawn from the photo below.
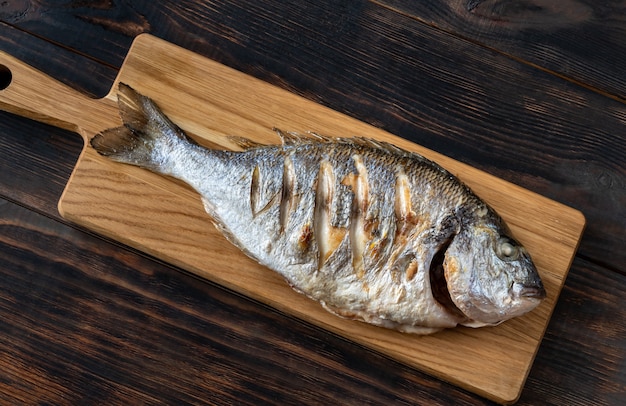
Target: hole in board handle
(5, 77)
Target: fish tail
(145, 132)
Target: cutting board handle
(30, 93)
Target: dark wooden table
(533, 91)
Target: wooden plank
(580, 40)
(113, 199)
(584, 347)
(83, 74)
(27, 149)
(421, 83)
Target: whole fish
(372, 232)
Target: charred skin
(372, 232)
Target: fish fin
(141, 115)
(289, 138)
(313, 136)
(144, 125)
(121, 144)
(244, 143)
(294, 138)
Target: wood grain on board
(211, 101)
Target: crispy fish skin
(371, 231)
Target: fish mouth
(438, 283)
(532, 292)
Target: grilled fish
(372, 232)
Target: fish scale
(370, 231)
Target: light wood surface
(164, 218)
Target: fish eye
(507, 249)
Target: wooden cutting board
(165, 218)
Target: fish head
(490, 276)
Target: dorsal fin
(316, 137)
(309, 137)
(244, 143)
(291, 138)
(294, 138)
